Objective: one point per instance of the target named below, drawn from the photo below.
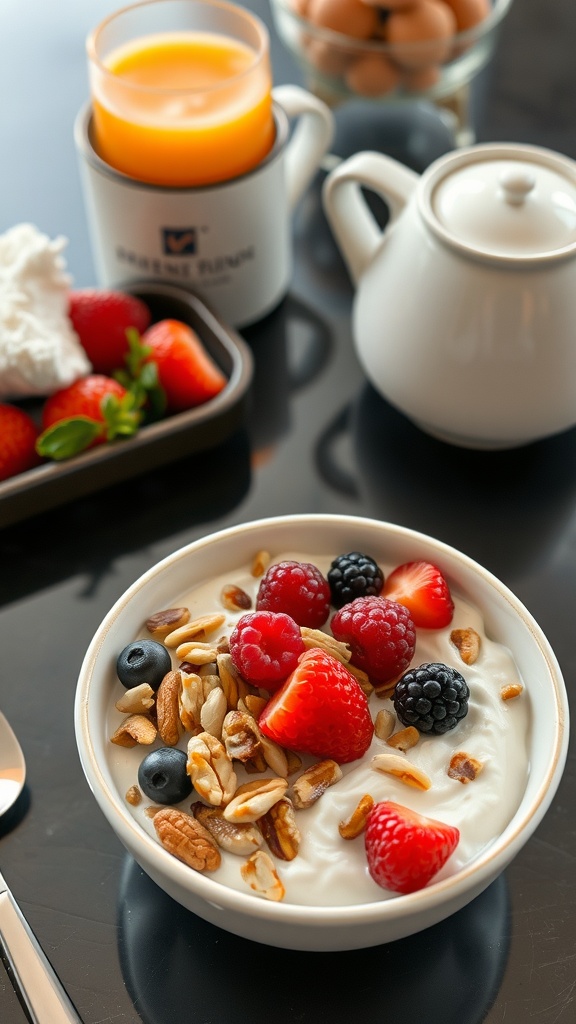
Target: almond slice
(402, 769)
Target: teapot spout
(357, 233)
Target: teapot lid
(513, 202)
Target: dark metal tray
(173, 438)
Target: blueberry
(162, 776)
(144, 661)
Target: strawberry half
(18, 434)
(91, 411)
(186, 372)
(320, 710)
(422, 588)
(405, 849)
(101, 319)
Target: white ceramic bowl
(286, 924)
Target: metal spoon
(34, 979)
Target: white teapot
(465, 312)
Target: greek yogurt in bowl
(330, 901)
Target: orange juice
(183, 108)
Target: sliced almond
(402, 769)
(198, 628)
(162, 623)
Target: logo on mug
(179, 241)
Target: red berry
(381, 634)
(405, 849)
(100, 319)
(186, 371)
(265, 647)
(92, 410)
(18, 434)
(320, 710)
(297, 588)
(423, 589)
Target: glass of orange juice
(181, 91)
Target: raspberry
(380, 633)
(297, 588)
(265, 647)
(432, 697)
(354, 575)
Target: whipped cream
(39, 350)
(329, 870)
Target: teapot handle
(355, 229)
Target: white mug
(229, 243)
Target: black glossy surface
(318, 439)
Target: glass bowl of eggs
(386, 50)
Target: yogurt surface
(329, 870)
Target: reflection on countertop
(177, 967)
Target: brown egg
(469, 12)
(351, 17)
(421, 79)
(300, 7)
(372, 75)
(330, 60)
(429, 21)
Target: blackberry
(354, 575)
(432, 697)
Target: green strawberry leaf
(141, 378)
(68, 437)
(122, 417)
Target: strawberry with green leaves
(91, 411)
(18, 433)
(101, 318)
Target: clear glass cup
(181, 91)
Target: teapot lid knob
(517, 185)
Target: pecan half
(187, 839)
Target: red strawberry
(18, 434)
(92, 410)
(405, 849)
(186, 371)
(421, 587)
(320, 710)
(100, 319)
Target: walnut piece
(234, 837)
(185, 838)
(467, 642)
(310, 786)
(280, 830)
(210, 769)
(355, 824)
(464, 767)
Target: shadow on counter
(178, 967)
(522, 496)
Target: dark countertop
(317, 439)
